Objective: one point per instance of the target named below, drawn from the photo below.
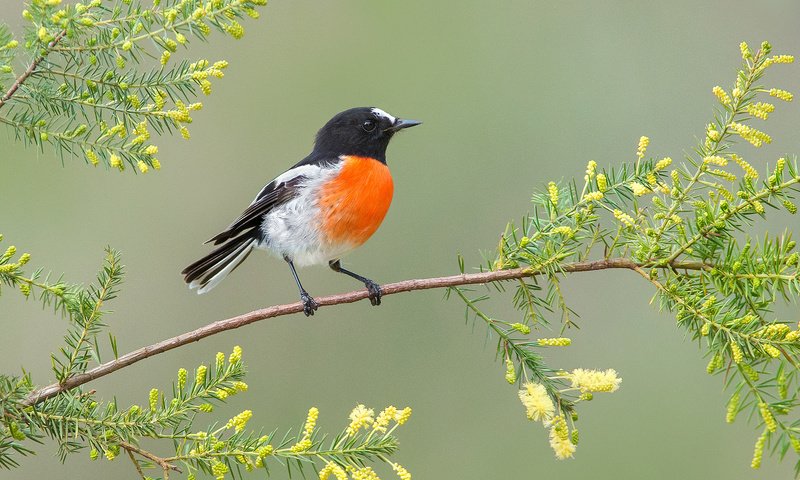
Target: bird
(315, 212)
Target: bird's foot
(309, 304)
(374, 292)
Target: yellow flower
(723, 174)
(766, 414)
(236, 355)
(554, 342)
(361, 416)
(760, 110)
(116, 162)
(624, 218)
(382, 421)
(182, 373)
(332, 468)
(537, 402)
(736, 352)
(153, 398)
(363, 473)
(722, 96)
(511, 373)
(311, 421)
(143, 167)
(602, 183)
(563, 230)
(639, 189)
(642, 148)
(594, 380)
(239, 422)
(716, 160)
(781, 94)
(593, 196)
(754, 136)
(745, 49)
(559, 439)
(663, 163)
(235, 29)
(590, 169)
(772, 351)
(301, 446)
(733, 408)
(403, 415)
(401, 471)
(749, 171)
(758, 452)
(200, 375)
(219, 470)
(92, 157)
(552, 190)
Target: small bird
(326, 205)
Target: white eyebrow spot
(381, 113)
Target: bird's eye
(368, 125)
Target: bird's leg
(309, 305)
(373, 288)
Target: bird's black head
(362, 131)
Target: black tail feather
(203, 273)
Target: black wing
(270, 197)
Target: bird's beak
(400, 124)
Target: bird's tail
(207, 272)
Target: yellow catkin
(766, 415)
(716, 160)
(591, 167)
(642, 147)
(624, 218)
(721, 95)
(554, 342)
(663, 163)
(552, 190)
(749, 171)
(593, 196)
(758, 451)
(781, 94)
(756, 137)
(602, 182)
(733, 408)
(736, 352)
(760, 110)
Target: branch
(31, 68)
(131, 449)
(219, 326)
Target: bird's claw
(309, 304)
(374, 292)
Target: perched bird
(326, 205)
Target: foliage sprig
(682, 227)
(101, 76)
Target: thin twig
(31, 68)
(131, 449)
(135, 463)
(280, 310)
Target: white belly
(292, 230)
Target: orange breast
(354, 203)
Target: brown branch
(279, 310)
(131, 449)
(31, 68)
(135, 463)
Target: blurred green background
(513, 94)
